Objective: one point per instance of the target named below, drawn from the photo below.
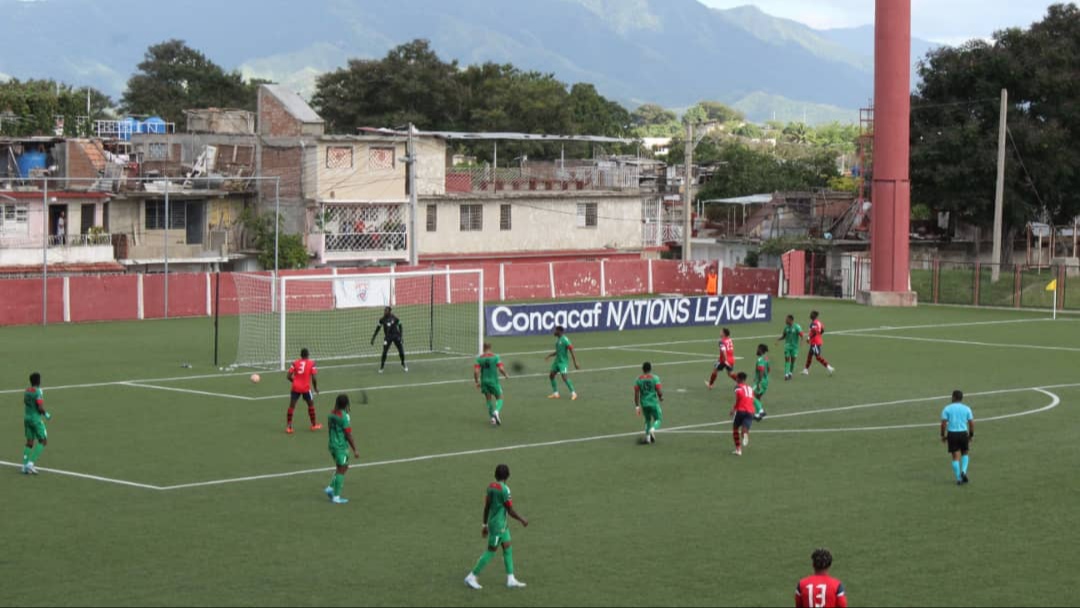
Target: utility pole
(999, 195)
(410, 159)
(687, 194)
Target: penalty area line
(121, 482)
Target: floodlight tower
(890, 215)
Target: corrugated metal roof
(504, 136)
(753, 199)
(293, 103)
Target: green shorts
(497, 538)
(491, 389)
(35, 430)
(652, 412)
(791, 352)
(559, 367)
(341, 457)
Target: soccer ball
(517, 367)
(255, 378)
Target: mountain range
(670, 52)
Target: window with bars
(504, 217)
(381, 158)
(339, 157)
(586, 215)
(14, 219)
(432, 218)
(157, 151)
(472, 217)
(155, 215)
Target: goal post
(334, 316)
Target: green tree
(291, 252)
(713, 111)
(746, 171)
(651, 120)
(955, 122)
(30, 107)
(593, 114)
(411, 84)
(173, 77)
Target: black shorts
(293, 396)
(958, 442)
(395, 341)
(743, 419)
(720, 366)
(815, 350)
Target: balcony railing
(542, 177)
(68, 240)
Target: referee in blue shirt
(957, 430)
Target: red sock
(809, 358)
(712, 378)
(738, 438)
(733, 376)
(289, 417)
(823, 361)
(311, 414)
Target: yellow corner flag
(1052, 286)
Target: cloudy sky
(945, 21)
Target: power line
(1031, 181)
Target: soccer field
(166, 485)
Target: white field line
(540, 444)
(85, 476)
(967, 342)
(618, 435)
(186, 390)
(1054, 403)
(539, 352)
(669, 352)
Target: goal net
(334, 316)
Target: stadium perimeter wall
(76, 299)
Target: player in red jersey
(742, 413)
(302, 375)
(820, 590)
(817, 328)
(726, 361)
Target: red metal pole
(891, 194)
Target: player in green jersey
(790, 337)
(648, 394)
(761, 380)
(341, 440)
(564, 351)
(33, 424)
(497, 505)
(486, 376)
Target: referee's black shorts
(958, 442)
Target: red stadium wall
(104, 298)
(130, 297)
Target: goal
(334, 316)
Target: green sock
(36, 452)
(491, 410)
(498, 405)
(339, 483)
(508, 560)
(25, 453)
(570, 385)
(554, 386)
(757, 406)
(482, 562)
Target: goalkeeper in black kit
(391, 328)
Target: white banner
(362, 292)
